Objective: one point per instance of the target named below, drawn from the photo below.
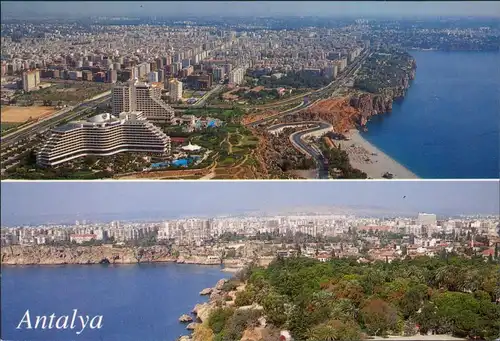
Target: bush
(336, 330)
(243, 298)
(230, 286)
(218, 319)
(240, 321)
(203, 333)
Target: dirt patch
(336, 111)
(250, 118)
(15, 114)
(304, 173)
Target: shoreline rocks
(192, 325)
(203, 311)
(184, 338)
(185, 318)
(206, 291)
(103, 254)
(220, 284)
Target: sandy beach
(368, 158)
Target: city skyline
(141, 200)
(255, 8)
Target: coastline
(18, 255)
(366, 157)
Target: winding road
(296, 138)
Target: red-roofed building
(178, 139)
(374, 228)
(489, 252)
(323, 257)
(80, 238)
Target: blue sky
(255, 8)
(29, 202)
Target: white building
(31, 80)
(103, 135)
(426, 219)
(236, 76)
(175, 90)
(144, 97)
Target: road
(296, 138)
(202, 100)
(298, 142)
(70, 113)
(320, 93)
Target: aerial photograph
(250, 90)
(355, 260)
(250, 171)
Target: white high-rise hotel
(175, 90)
(144, 97)
(103, 135)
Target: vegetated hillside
(345, 300)
(384, 77)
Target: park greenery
(345, 300)
(295, 80)
(384, 69)
(338, 164)
(258, 97)
(229, 142)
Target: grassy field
(6, 126)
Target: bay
(137, 302)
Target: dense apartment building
(102, 135)
(236, 76)
(175, 90)
(218, 73)
(201, 81)
(144, 97)
(31, 80)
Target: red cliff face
(370, 104)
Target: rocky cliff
(106, 254)
(370, 104)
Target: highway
(320, 93)
(297, 141)
(296, 138)
(70, 113)
(202, 100)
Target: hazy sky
(254, 8)
(25, 202)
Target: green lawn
(6, 126)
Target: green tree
(274, 308)
(379, 317)
(335, 330)
(412, 300)
(218, 319)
